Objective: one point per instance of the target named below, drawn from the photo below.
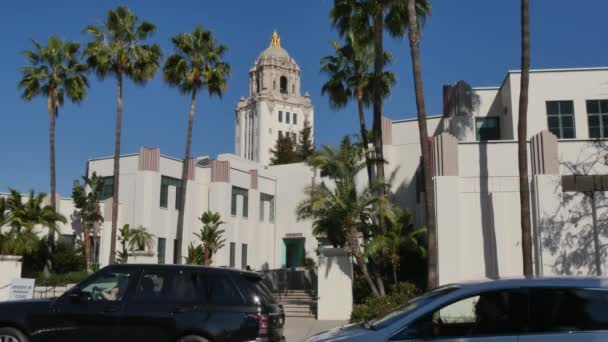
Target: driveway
(299, 329)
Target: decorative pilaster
(149, 159)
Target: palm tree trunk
(596, 237)
(364, 140)
(353, 242)
(522, 141)
(182, 195)
(429, 196)
(86, 237)
(116, 169)
(377, 120)
(52, 109)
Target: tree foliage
(210, 236)
(284, 151)
(133, 239)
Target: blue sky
(473, 40)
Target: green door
(294, 252)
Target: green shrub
(60, 279)
(376, 307)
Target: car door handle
(111, 309)
(182, 309)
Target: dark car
(152, 303)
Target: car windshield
(417, 302)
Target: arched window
(283, 85)
(293, 88)
(274, 84)
(257, 84)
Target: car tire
(192, 338)
(14, 333)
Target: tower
(274, 107)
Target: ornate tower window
(283, 85)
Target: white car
(507, 310)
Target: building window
(66, 239)
(232, 254)
(165, 183)
(274, 84)
(108, 188)
(295, 118)
(243, 256)
(487, 128)
(244, 194)
(283, 85)
(266, 198)
(294, 136)
(280, 134)
(597, 116)
(280, 116)
(560, 117)
(287, 117)
(293, 88)
(160, 250)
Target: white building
(274, 107)
(474, 172)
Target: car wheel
(12, 335)
(191, 338)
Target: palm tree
(400, 236)
(211, 235)
(350, 76)
(86, 203)
(54, 72)
(22, 220)
(117, 49)
(367, 20)
(198, 63)
(343, 203)
(522, 141)
(133, 239)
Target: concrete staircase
(298, 303)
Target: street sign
(21, 288)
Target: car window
(164, 285)
(417, 302)
(254, 290)
(107, 286)
(496, 313)
(219, 289)
(563, 310)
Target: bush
(376, 307)
(60, 279)
(66, 258)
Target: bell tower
(274, 107)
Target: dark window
(221, 290)
(283, 85)
(265, 198)
(560, 119)
(280, 134)
(160, 250)
(232, 254)
(242, 193)
(294, 137)
(109, 285)
(185, 287)
(597, 116)
(153, 286)
(488, 314)
(165, 183)
(280, 116)
(287, 117)
(175, 249)
(108, 188)
(66, 239)
(487, 128)
(254, 289)
(295, 118)
(293, 88)
(559, 310)
(243, 256)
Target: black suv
(152, 303)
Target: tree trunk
(429, 195)
(52, 109)
(522, 141)
(364, 140)
(596, 237)
(182, 195)
(86, 237)
(353, 242)
(394, 264)
(377, 101)
(116, 170)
